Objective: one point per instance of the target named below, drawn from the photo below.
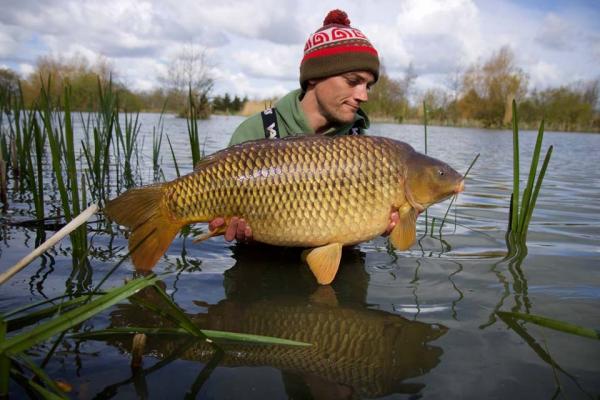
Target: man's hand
(236, 229)
(394, 218)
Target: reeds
(127, 136)
(522, 209)
(99, 137)
(62, 149)
(192, 126)
(109, 148)
(157, 137)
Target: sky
(253, 48)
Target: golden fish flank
(310, 191)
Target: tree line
(186, 83)
(479, 95)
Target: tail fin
(143, 211)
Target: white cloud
(555, 33)
(25, 69)
(544, 75)
(257, 44)
(436, 36)
(271, 61)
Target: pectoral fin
(405, 232)
(324, 262)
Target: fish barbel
(310, 191)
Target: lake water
(392, 325)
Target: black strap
(269, 119)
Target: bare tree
(189, 70)
(410, 76)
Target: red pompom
(336, 17)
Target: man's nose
(361, 93)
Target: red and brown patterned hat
(337, 48)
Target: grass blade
(173, 155)
(74, 317)
(525, 204)
(514, 223)
(536, 191)
(39, 372)
(211, 334)
(175, 313)
(553, 324)
(36, 316)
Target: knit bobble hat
(337, 48)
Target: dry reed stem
(70, 227)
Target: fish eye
(441, 172)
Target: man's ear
(312, 82)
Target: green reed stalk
(35, 177)
(5, 105)
(128, 142)
(192, 126)
(23, 120)
(514, 220)
(156, 145)
(3, 179)
(174, 158)
(11, 349)
(425, 123)
(522, 209)
(46, 330)
(64, 165)
(552, 324)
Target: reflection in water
(355, 351)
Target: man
(338, 68)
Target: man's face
(340, 96)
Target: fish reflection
(355, 351)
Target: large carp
(309, 191)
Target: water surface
(393, 324)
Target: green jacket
(291, 121)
